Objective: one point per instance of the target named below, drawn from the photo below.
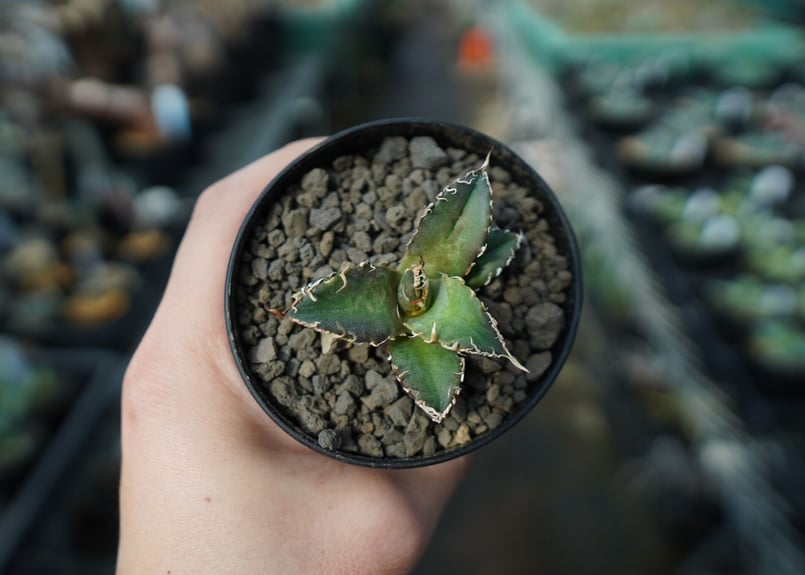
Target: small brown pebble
(463, 435)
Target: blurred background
(673, 133)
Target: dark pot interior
(366, 137)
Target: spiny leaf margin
(498, 252)
(458, 320)
(416, 376)
(346, 295)
(453, 229)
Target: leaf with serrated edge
(501, 245)
(453, 229)
(429, 373)
(359, 303)
(458, 320)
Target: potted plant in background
(384, 240)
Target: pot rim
(360, 138)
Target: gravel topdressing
(364, 207)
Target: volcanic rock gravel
(364, 207)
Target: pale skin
(209, 484)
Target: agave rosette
(426, 310)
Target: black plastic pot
(365, 138)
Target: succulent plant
(426, 310)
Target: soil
(364, 207)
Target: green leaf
(453, 229)
(459, 321)
(358, 303)
(501, 245)
(429, 373)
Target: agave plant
(426, 311)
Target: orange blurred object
(475, 49)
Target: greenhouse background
(673, 133)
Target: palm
(209, 483)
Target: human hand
(209, 484)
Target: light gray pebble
(310, 421)
(345, 404)
(385, 259)
(400, 411)
(373, 379)
(431, 189)
(396, 450)
(395, 214)
(504, 403)
(537, 364)
(488, 365)
(391, 435)
(415, 435)
(492, 393)
(328, 364)
(316, 181)
(292, 369)
(462, 436)
(268, 371)
(383, 394)
(369, 445)
(385, 243)
(322, 272)
(426, 153)
(358, 353)
(363, 211)
(321, 385)
(302, 339)
(263, 251)
(306, 253)
(391, 149)
(429, 448)
(361, 184)
(283, 389)
(444, 437)
(544, 323)
(493, 420)
(362, 241)
(456, 154)
(498, 174)
(324, 218)
(289, 251)
(329, 439)
(307, 369)
(331, 201)
(387, 195)
(393, 184)
(512, 295)
(443, 177)
(264, 351)
(294, 222)
(353, 384)
(356, 256)
(276, 270)
(275, 237)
